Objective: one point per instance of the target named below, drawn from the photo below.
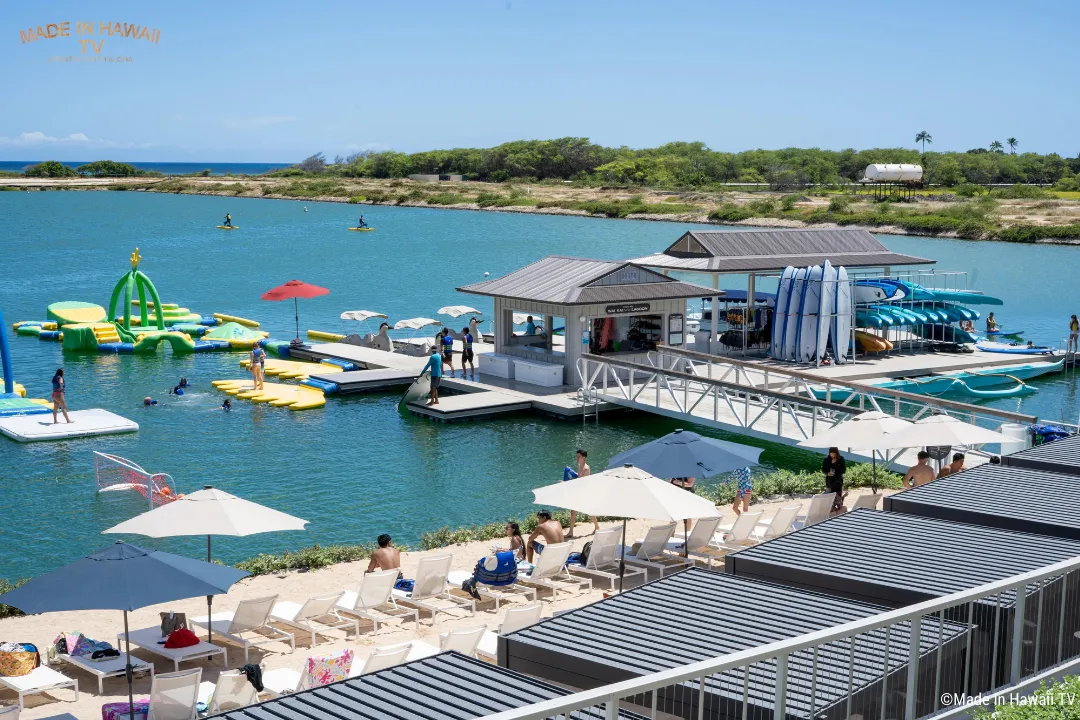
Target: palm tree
(996, 147)
(924, 137)
(1012, 143)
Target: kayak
(362, 229)
(228, 227)
(946, 333)
(1012, 348)
(1000, 332)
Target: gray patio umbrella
(684, 454)
(122, 577)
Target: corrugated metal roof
(896, 558)
(1058, 456)
(444, 687)
(776, 263)
(762, 243)
(563, 281)
(698, 614)
(1021, 499)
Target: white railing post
(1015, 669)
(780, 711)
(611, 708)
(913, 667)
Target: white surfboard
(809, 313)
(783, 290)
(794, 306)
(826, 308)
(841, 324)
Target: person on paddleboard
(361, 223)
(991, 323)
(228, 220)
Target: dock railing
(907, 663)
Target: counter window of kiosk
(630, 333)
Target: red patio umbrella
(295, 289)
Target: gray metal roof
(444, 687)
(698, 614)
(561, 280)
(897, 559)
(773, 250)
(1058, 456)
(1013, 498)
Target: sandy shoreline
(295, 586)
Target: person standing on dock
(59, 387)
(1074, 333)
(258, 365)
(834, 466)
(467, 353)
(434, 364)
(918, 474)
(447, 342)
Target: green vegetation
(309, 558)
(49, 168)
(1056, 702)
(688, 165)
(108, 168)
(1020, 192)
(789, 482)
(6, 586)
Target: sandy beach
(295, 586)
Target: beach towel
(119, 710)
(404, 585)
(568, 474)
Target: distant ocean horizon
(169, 168)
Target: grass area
(1067, 194)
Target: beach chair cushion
(119, 710)
(326, 669)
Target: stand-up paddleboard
(228, 227)
(889, 290)
(1000, 332)
(420, 389)
(827, 307)
(367, 229)
(783, 290)
(841, 321)
(791, 322)
(809, 316)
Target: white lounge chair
(317, 615)
(241, 625)
(516, 618)
(463, 641)
(233, 690)
(550, 571)
(700, 543)
(386, 657)
(650, 553)
(869, 501)
(603, 560)
(318, 670)
(498, 593)
(431, 591)
(112, 667)
(41, 680)
(175, 696)
(374, 600)
(9, 712)
(780, 524)
(818, 510)
(741, 533)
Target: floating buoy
(487, 274)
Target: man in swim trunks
(918, 474)
(386, 557)
(446, 340)
(955, 466)
(550, 530)
(434, 364)
(467, 353)
(583, 469)
(228, 220)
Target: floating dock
(84, 423)
(361, 380)
(294, 397)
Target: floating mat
(232, 318)
(84, 423)
(320, 335)
(294, 397)
(75, 312)
(11, 405)
(287, 369)
(236, 335)
(20, 390)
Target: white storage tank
(894, 173)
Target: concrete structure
(437, 178)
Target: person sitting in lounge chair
(550, 530)
(955, 466)
(388, 557)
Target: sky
(276, 81)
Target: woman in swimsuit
(1074, 333)
(59, 385)
(744, 489)
(258, 361)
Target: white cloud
(256, 121)
(40, 138)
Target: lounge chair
(431, 591)
(818, 510)
(496, 579)
(700, 543)
(248, 617)
(650, 553)
(741, 533)
(41, 680)
(232, 691)
(463, 641)
(603, 560)
(9, 712)
(317, 614)
(112, 667)
(374, 600)
(318, 670)
(550, 571)
(516, 618)
(173, 696)
(869, 501)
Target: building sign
(627, 308)
(675, 329)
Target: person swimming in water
(148, 401)
(228, 220)
(227, 405)
(183, 382)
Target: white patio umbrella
(942, 430)
(625, 492)
(208, 512)
(868, 431)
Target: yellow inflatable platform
(294, 397)
(239, 320)
(290, 369)
(320, 335)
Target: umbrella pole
(622, 557)
(873, 456)
(686, 538)
(296, 314)
(127, 669)
(209, 601)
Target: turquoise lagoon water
(358, 467)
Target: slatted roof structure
(448, 686)
(746, 251)
(698, 614)
(563, 280)
(1059, 456)
(999, 496)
